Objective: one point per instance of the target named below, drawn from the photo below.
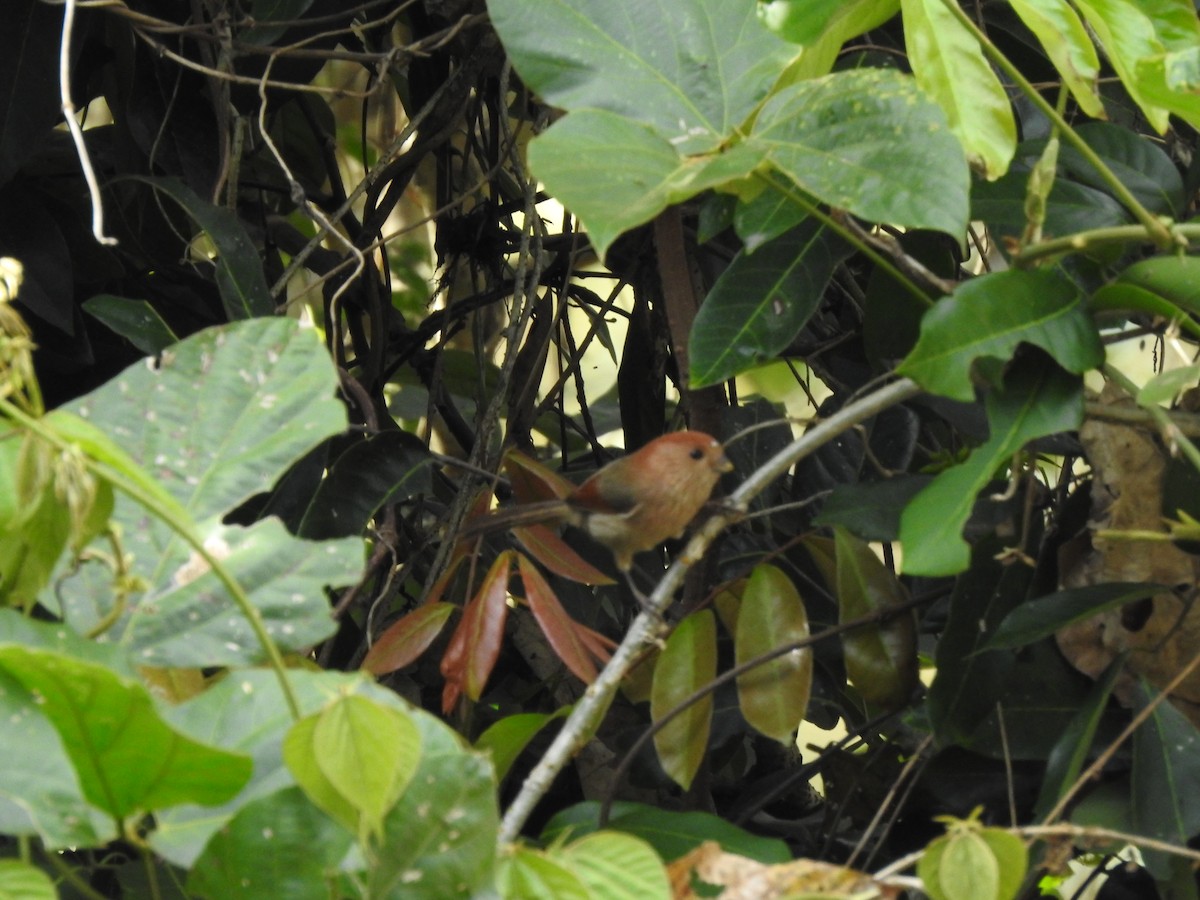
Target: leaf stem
(1096, 237)
(1162, 234)
(185, 530)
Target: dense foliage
(922, 266)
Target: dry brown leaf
(747, 879)
(1163, 634)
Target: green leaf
(368, 753)
(1166, 773)
(973, 863)
(989, 316)
(1174, 279)
(1065, 39)
(615, 865)
(692, 73)
(1127, 35)
(1040, 618)
(135, 320)
(35, 526)
(869, 142)
(1165, 387)
(761, 301)
(950, 67)
(505, 739)
(773, 696)
(1035, 402)
(127, 758)
(21, 881)
(881, 659)
(533, 875)
(671, 834)
(569, 157)
(239, 271)
(688, 662)
(300, 756)
(217, 421)
(1070, 752)
(276, 846)
(822, 28)
(440, 839)
(245, 712)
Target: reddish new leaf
(406, 639)
(552, 552)
(560, 629)
(475, 645)
(531, 481)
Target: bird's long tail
(545, 512)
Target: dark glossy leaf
(1070, 208)
(989, 316)
(1036, 401)
(1040, 618)
(135, 320)
(688, 662)
(383, 468)
(239, 271)
(403, 642)
(1139, 164)
(761, 302)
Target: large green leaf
(688, 662)
(616, 865)
(822, 27)
(127, 758)
(1036, 401)
(1127, 35)
(1141, 165)
(693, 71)
(1042, 617)
(950, 67)
(572, 159)
(276, 846)
(773, 696)
(989, 316)
(761, 301)
(239, 271)
(1066, 41)
(869, 142)
(217, 420)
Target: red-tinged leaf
(406, 639)
(475, 645)
(531, 481)
(599, 645)
(560, 629)
(451, 691)
(439, 586)
(688, 663)
(773, 696)
(544, 545)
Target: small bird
(634, 503)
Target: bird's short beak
(723, 464)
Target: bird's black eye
(696, 453)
